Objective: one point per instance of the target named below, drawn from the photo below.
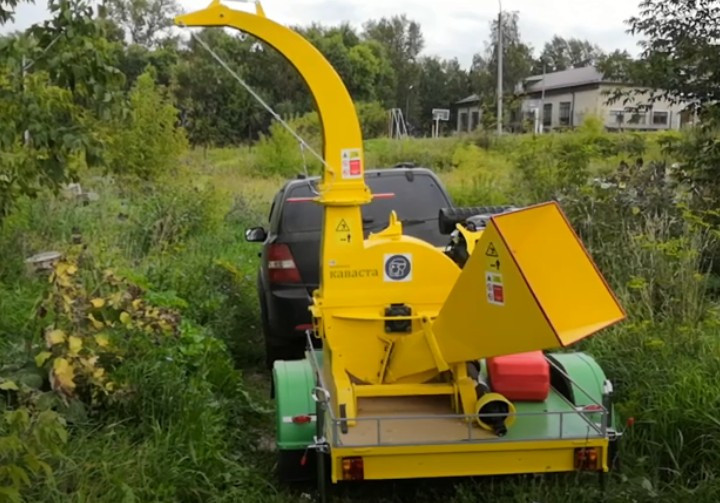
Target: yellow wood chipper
(432, 366)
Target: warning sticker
(342, 232)
(351, 163)
(491, 251)
(342, 226)
(494, 288)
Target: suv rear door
(416, 196)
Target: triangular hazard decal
(342, 226)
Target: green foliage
(561, 53)
(278, 153)
(41, 136)
(144, 21)
(148, 142)
(433, 154)
(373, 119)
(29, 442)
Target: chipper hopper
(434, 367)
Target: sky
(452, 28)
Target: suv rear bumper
(288, 314)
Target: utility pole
(407, 105)
(500, 73)
(542, 102)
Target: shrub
(149, 141)
(373, 119)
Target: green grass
(199, 427)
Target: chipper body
(429, 368)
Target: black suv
(290, 257)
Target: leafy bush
(373, 119)
(149, 141)
(29, 442)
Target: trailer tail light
(281, 265)
(587, 458)
(302, 419)
(353, 468)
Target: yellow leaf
(63, 375)
(55, 337)
(102, 340)
(124, 318)
(9, 386)
(99, 373)
(136, 303)
(97, 303)
(99, 325)
(41, 358)
(110, 386)
(75, 344)
(72, 269)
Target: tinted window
(416, 202)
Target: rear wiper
(408, 222)
(416, 221)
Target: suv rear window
(416, 202)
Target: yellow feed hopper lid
(529, 285)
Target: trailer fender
(585, 373)
(294, 382)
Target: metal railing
(593, 417)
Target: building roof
(470, 99)
(565, 78)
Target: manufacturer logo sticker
(398, 267)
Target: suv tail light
(281, 265)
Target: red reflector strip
(303, 327)
(384, 195)
(592, 408)
(299, 419)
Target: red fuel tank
(522, 377)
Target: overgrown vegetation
(139, 357)
(130, 364)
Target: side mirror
(255, 235)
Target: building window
(617, 117)
(637, 117)
(463, 121)
(564, 113)
(660, 118)
(474, 120)
(547, 115)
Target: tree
(680, 62)
(561, 54)
(7, 10)
(144, 21)
(680, 52)
(442, 82)
(215, 109)
(50, 107)
(403, 41)
(517, 64)
(148, 141)
(615, 64)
